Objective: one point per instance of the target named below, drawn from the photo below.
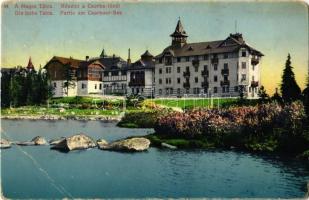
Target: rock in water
(56, 141)
(102, 143)
(132, 144)
(38, 140)
(4, 144)
(75, 142)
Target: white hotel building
(223, 68)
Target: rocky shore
(104, 118)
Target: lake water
(38, 172)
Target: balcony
(205, 73)
(224, 83)
(225, 71)
(205, 84)
(136, 83)
(186, 73)
(254, 83)
(254, 60)
(214, 60)
(186, 85)
(195, 62)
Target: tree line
(20, 88)
(289, 89)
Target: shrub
(263, 126)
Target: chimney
(129, 59)
(87, 58)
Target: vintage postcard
(145, 99)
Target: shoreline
(104, 118)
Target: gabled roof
(84, 64)
(230, 44)
(66, 61)
(146, 54)
(111, 62)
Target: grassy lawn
(37, 110)
(191, 103)
(83, 100)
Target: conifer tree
(289, 89)
(306, 97)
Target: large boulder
(75, 142)
(4, 144)
(38, 140)
(56, 141)
(132, 144)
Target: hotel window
(83, 85)
(215, 78)
(205, 57)
(235, 89)
(178, 69)
(160, 91)
(187, 68)
(225, 56)
(95, 86)
(253, 67)
(160, 60)
(160, 71)
(225, 66)
(243, 77)
(55, 84)
(187, 58)
(196, 79)
(225, 78)
(178, 80)
(205, 67)
(100, 86)
(196, 68)
(178, 90)
(252, 78)
(243, 65)
(215, 67)
(243, 54)
(215, 89)
(178, 59)
(160, 81)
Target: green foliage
(262, 94)
(289, 89)
(19, 89)
(306, 97)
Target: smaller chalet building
(115, 74)
(140, 75)
(73, 77)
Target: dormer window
(243, 53)
(190, 49)
(208, 47)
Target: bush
(260, 127)
(142, 118)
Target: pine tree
(289, 89)
(69, 76)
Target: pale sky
(274, 28)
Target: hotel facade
(222, 68)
